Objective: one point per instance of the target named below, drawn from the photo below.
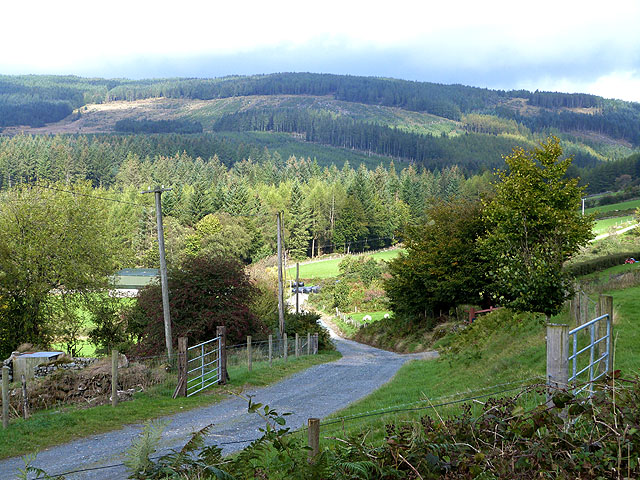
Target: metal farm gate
(203, 365)
(598, 344)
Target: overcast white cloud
(550, 45)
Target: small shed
(25, 363)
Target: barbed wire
(408, 406)
(395, 409)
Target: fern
(137, 456)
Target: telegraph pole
(297, 286)
(163, 269)
(280, 286)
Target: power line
(87, 195)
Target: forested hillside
(428, 124)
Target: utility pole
(280, 286)
(163, 269)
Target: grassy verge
(61, 425)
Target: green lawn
(329, 268)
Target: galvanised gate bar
(203, 365)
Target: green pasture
(329, 268)
(603, 226)
(350, 329)
(615, 207)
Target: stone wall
(76, 364)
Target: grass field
(349, 329)
(329, 268)
(603, 226)
(615, 207)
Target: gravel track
(315, 392)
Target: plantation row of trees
(473, 152)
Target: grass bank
(60, 425)
(493, 356)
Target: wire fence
(528, 392)
(263, 350)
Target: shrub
(204, 293)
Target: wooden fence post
(221, 331)
(557, 357)
(181, 389)
(574, 308)
(249, 352)
(114, 377)
(5, 396)
(605, 305)
(270, 349)
(313, 438)
(25, 398)
(315, 343)
(285, 345)
(297, 345)
(308, 343)
(584, 309)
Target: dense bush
(302, 323)
(205, 292)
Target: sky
(569, 46)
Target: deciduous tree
(534, 225)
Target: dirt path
(316, 392)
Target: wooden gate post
(557, 357)
(183, 343)
(297, 345)
(221, 331)
(605, 305)
(308, 343)
(315, 343)
(270, 349)
(5, 396)
(249, 353)
(313, 438)
(114, 377)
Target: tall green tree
(299, 235)
(49, 240)
(443, 266)
(534, 225)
